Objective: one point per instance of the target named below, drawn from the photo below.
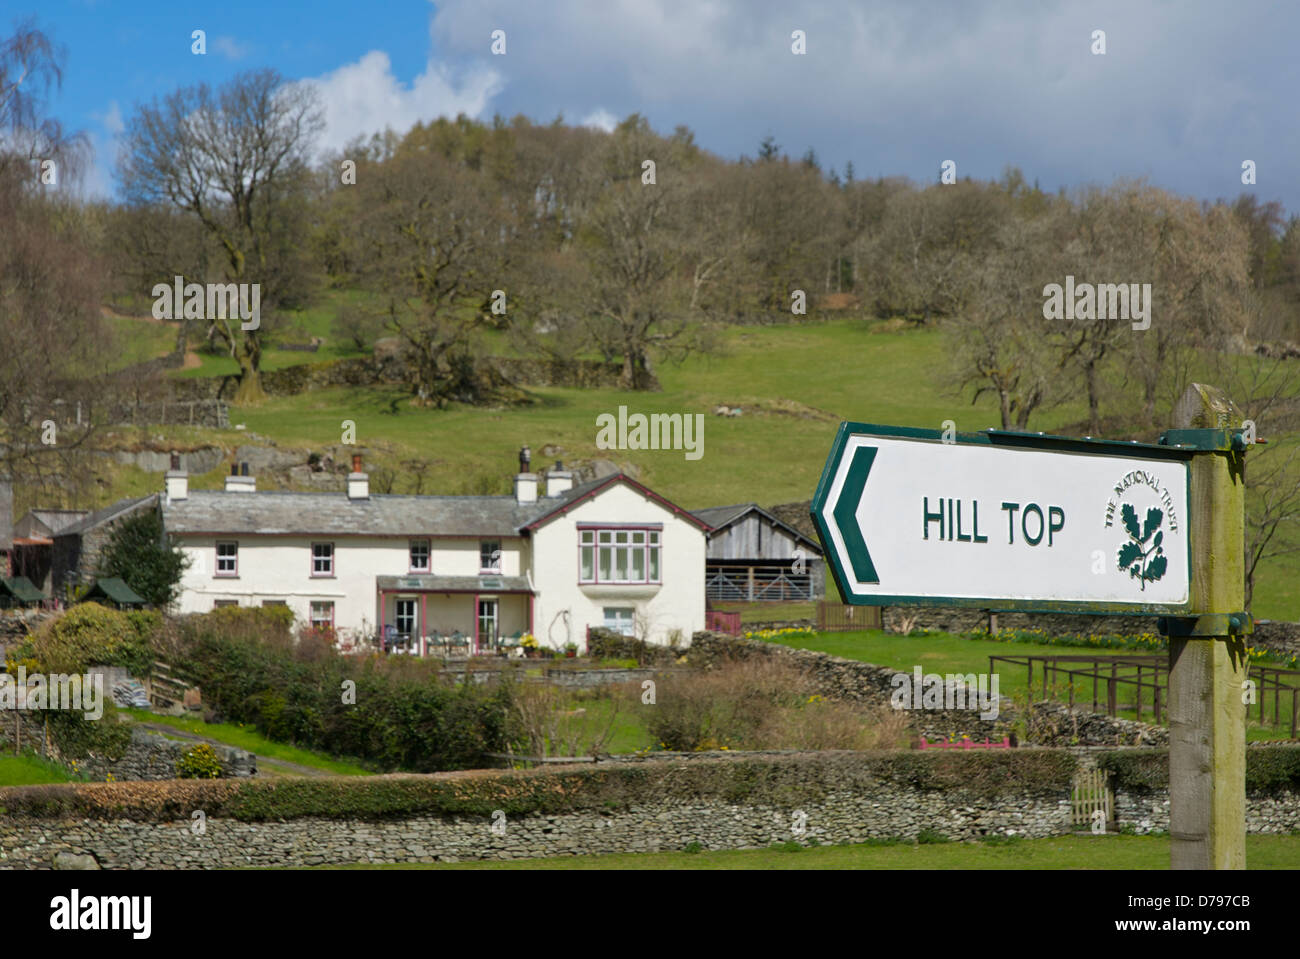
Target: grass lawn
(1063, 852)
(31, 771)
(245, 738)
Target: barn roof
(105, 515)
(720, 517)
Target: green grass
(27, 770)
(794, 383)
(1063, 852)
(246, 738)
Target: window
(619, 619)
(489, 556)
(274, 602)
(406, 616)
(227, 559)
(322, 559)
(619, 555)
(322, 615)
(419, 556)
(223, 603)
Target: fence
(1142, 674)
(761, 583)
(1091, 794)
(833, 616)
(715, 620)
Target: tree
(643, 280)
(237, 161)
(54, 342)
(430, 236)
(138, 554)
(929, 242)
(1002, 344)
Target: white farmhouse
(458, 572)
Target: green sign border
(1006, 439)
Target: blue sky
(1185, 92)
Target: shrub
(403, 715)
(764, 703)
(198, 762)
(76, 737)
(89, 634)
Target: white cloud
(229, 47)
(364, 97)
(601, 119)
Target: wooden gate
(1091, 793)
(834, 616)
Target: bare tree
(430, 238)
(55, 346)
(237, 161)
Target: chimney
(176, 483)
(525, 482)
(358, 482)
(558, 480)
(239, 481)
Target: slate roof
(720, 517)
(333, 514)
(56, 520)
(105, 515)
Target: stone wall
(731, 802)
(148, 756)
(1282, 638)
(369, 370)
(1047, 724)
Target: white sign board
(908, 518)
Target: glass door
(405, 620)
(487, 625)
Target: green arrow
(847, 506)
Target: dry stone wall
(719, 802)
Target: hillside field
(794, 384)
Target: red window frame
(597, 528)
(428, 556)
(217, 571)
(333, 566)
(311, 613)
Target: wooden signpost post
(1017, 521)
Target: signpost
(1006, 520)
(1018, 521)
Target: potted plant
(570, 650)
(529, 642)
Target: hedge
(776, 780)
(1268, 768)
